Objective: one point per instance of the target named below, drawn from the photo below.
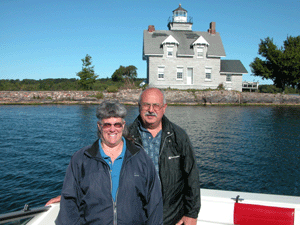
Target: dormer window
(170, 51)
(169, 45)
(200, 46)
(200, 50)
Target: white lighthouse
(180, 20)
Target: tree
(87, 74)
(125, 73)
(292, 60)
(281, 65)
(118, 74)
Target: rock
(131, 96)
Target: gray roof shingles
(232, 66)
(153, 40)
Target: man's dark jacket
(86, 195)
(177, 170)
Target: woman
(112, 181)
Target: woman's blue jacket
(86, 194)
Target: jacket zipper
(115, 217)
(160, 156)
(115, 212)
(115, 202)
(164, 143)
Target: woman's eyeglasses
(108, 125)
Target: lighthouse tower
(180, 20)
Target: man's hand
(53, 200)
(187, 221)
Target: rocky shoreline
(130, 96)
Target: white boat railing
(21, 215)
(45, 215)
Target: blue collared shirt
(151, 144)
(115, 168)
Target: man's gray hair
(164, 98)
(108, 109)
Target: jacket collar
(166, 124)
(167, 129)
(93, 150)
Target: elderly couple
(145, 176)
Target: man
(171, 151)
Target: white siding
(199, 66)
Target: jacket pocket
(173, 165)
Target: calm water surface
(252, 149)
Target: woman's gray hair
(112, 108)
(108, 109)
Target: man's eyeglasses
(146, 106)
(108, 125)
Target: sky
(48, 38)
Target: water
(252, 149)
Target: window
(208, 73)
(179, 73)
(170, 52)
(200, 52)
(180, 13)
(161, 73)
(228, 78)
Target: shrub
(112, 89)
(269, 89)
(291, 90)
(99, 95)
(221, 87)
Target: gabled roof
(152, 42)
(232, 66)
(171, 40)
(201, 40)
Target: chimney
(212, 28)
(151, 28)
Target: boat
(217, 208)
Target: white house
(180, 58)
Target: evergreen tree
(87, 74)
